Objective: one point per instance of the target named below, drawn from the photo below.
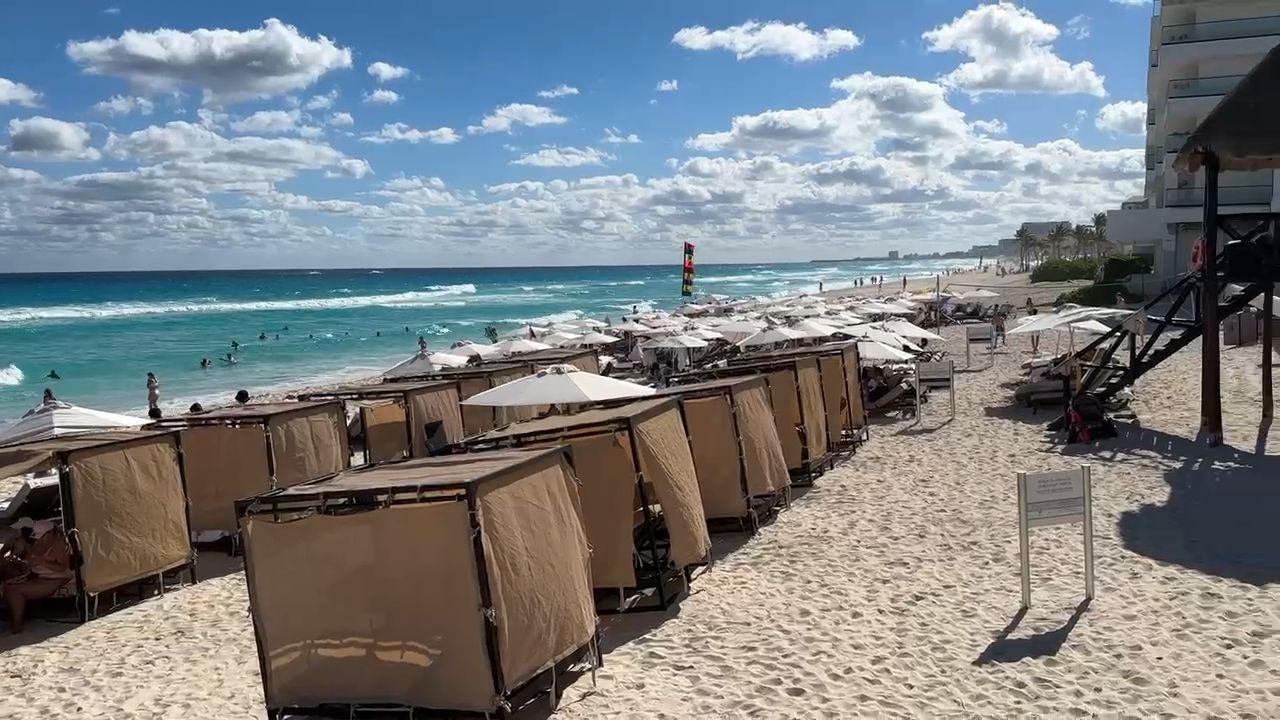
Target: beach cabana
(584, 358)
(478, 378)
(843, 398)
(455, 584)
(799, 408)
(641, 505)
(54, 418)
(121, 506)
(402, 419)
(736, 451)
(241, 451)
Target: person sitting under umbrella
(36, 567)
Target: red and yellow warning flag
(686, 285)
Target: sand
(889, 589)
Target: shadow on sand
(1221, 517)
(1006, 650)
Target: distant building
(985, 251)
(893, 254)
(1008, 247)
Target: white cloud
(321, 102)
(560, 90)
(994, 126)
(1010, 51)
(15, 93)
(1123, 117)
(111, 11)
(400, 132)
(551, 156)
(42, 138)
(505, 118)
(382, 97)
(125, 104)
(386, 72)
(228, 65)
(755, 39)
(611, 135)
(668, 86)
(341, 119)
(1132, 3)
(273, 122)
(1078, 27)
(183, 142)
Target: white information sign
(985, 334)
(1055, 498)
(939, 374)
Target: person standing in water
(153, 392)
(422, 344)
(53, 375)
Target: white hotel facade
(1200, 49)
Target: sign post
(1055, 498)
(935, 375)
(979, 333)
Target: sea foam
(11, 375)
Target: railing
(1203, 87)
(1236, 195)
(1151, 116)
(1220, 30)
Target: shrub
(1058, 270)
(1122, 266)
(1098, 295)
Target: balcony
(1220, 30)
(1151, 158)
(1151, 116)
(1203, 87)
(1155, 57)
(1236, 195)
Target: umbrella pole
(1211, 369)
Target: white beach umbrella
(879, 352)
(1091, 327)
(704, 334)
(629, 327)
(772, 336)
(879, 308)
(587, 323)
(559, 338)
(57, 418)
(556, 385)
(592, 339)
(527, 331)
(1065, 316)
(979, 294)
(519, 345)
(804, 312)
(905, 329)
(871, 332)
(467, 348)
(422, 363)
(675, 341)
(813, 329)
(739, 330)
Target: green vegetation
(1115, 271)
(1064, 269)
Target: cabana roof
(1242, 130)
(474, 371)
(437, 473)
(385, 389)
(34, 456)
(830, 348)
(635, 412)
(260, 411)
(555, 354)
(712, 386)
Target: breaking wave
(11, 375)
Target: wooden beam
(1210, 362)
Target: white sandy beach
(887, 590)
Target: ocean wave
(130, 309)
(315, 272)
(11, 375)
(750, 277)
(624, 282)
(556, 317)
(375, 272)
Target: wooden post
(1210, 363)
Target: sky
(169, 135)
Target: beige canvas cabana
(121, 506)
(799, 408)
(841, 387)
(402, 419)
(641, 505)
(736, 451)
(454, 584)
(241, 451)
(476, 379)
(585, 359)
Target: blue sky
(881, 135)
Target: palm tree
(1084, 239)
(1058, 237)
(1026, 247)
(1100, 232)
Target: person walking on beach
(422, 344)
(153, 392)
(904, 283)
(997, 322)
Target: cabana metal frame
(322, 497)
(585, 359)
(61, 454)
(759, 508)
(417, 442)
(659, 580)
(815, 457)
(853, 429)
(475, 379)
(1240, 133)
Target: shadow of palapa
(920, 429)
(1005, 649)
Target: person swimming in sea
(262, 336)
(204, 363)
(234, 346)
(230, 359)
(53, 375)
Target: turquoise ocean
(102, 332)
